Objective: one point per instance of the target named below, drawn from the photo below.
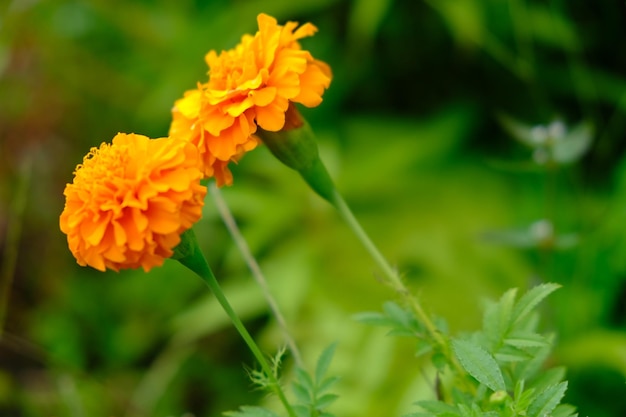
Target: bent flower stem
(188, 253)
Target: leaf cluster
(504, 363)
(401, 322)
(500, 372)
(312, 392)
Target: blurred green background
(409, 128)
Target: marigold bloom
(130, 201)
(249, 86)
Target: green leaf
(402, 318)
(373, 318)
(304, 379)
(479, 363)
(548, 378)
(403, 332)
(530, 300)
(519, 388)
(301, 410)
(547, 401)
(401, 321)
(251, 411)
(511, 354)
(325, 401)
(423, 347)
(302, 394)
(438, 407)
(564, 410)
(324, 362)
(327, 383)
(497, 317)
(524, 399)
(526, 339)
(467, 411)
(528, 369)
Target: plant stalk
(193, 259)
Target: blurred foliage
(409, 128)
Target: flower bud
(295, 146)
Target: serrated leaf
(530, 300)
(547, 400)
(497, 317)
(325, 400)
(528, 369)
(548, 378)
(491, 323)
(479, 363)
(511, 354)
(251, 411)
(506, 307)
(324, 362)
(526, 339)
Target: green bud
(498, 397)
(295, 146)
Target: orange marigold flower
(130, 201)
(250, 85)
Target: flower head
(130, 201)
(249, 86)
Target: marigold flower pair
(130, 200)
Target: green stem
(394, 280)
(296, 147)
(191, 257)
(392, 276)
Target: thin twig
(13, 235)
(255, 269)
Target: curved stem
(394, 280)
(255, 269)
(192, 258)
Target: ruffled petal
(130, 200)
